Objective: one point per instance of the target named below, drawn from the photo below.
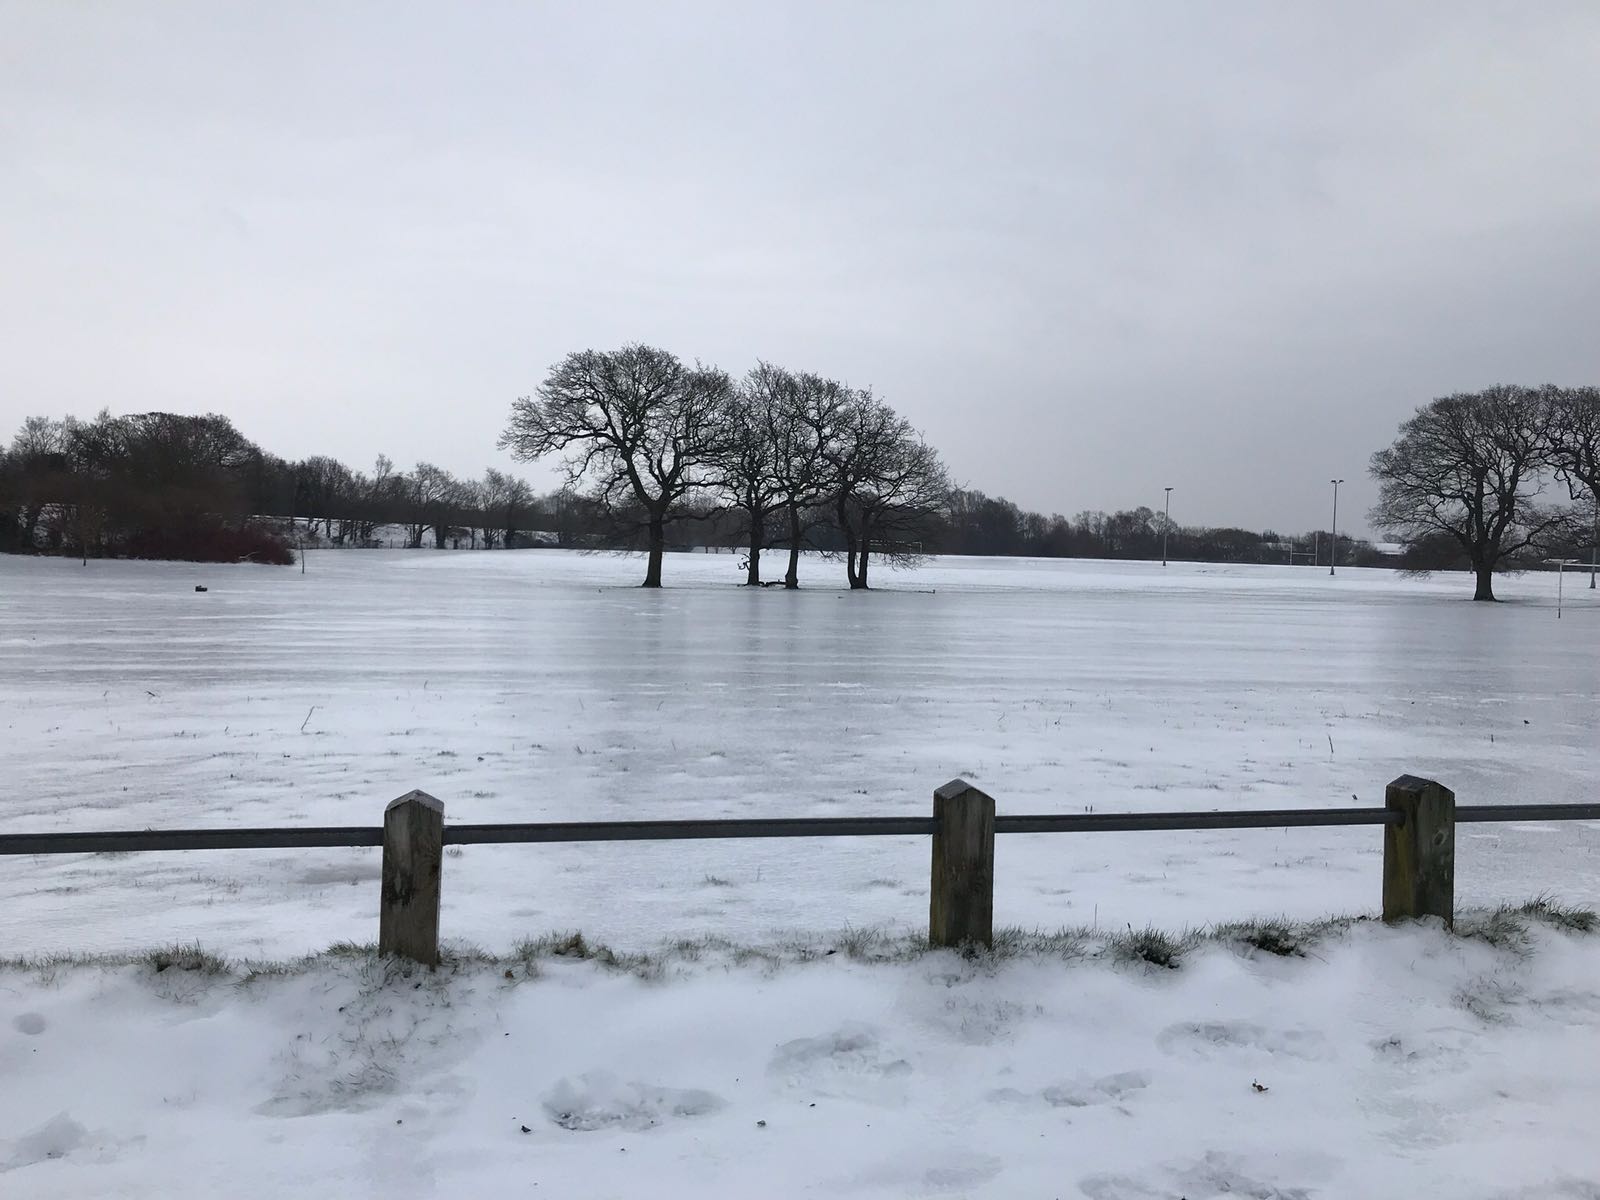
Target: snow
(541, 685)
(1384, 1063)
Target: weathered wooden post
(961, 903)
(413, 855)
(1419, 855)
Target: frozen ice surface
(544, 686)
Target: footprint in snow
(931, 1173)
(56, 1138)
(30, 1023)
(1082, 1093)
(1212, 1176)
(1205, 1038)
(599, 1100)
(850, 1062)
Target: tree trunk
(791, 578)
(758, 537)
(658, 546)
(1485, 590)
(30, 523)
(861, 571)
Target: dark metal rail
(1266, 818)
(136, 840)
(676, 831)
(1527, 812)
(140, 840)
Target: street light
(1333, 550)
(1166, 524)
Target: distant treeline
(671, 457)
(162, 485)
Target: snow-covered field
(1384, 1065)
(542, 686)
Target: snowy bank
(1344, 1060)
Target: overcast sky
(1090, 250)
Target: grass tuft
(1151, 946)
(351, 950)
(1067, 944)
(187, 958)
(1563, 916)
(1270, 937)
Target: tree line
(655, 441)
(657, 454)
(790, 459)
(162, 485)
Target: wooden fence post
(413, 855)
(961, 902)
(1419, 856)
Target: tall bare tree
(38, 467)
(888, 483)
(1575, 457)
(424, 493)
(1468, 467)
(746, 470)
(504, 503)
(637, 425)
(805, 423)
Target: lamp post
(1333, 549)
(1166, 524)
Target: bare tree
(746, 470)
(423, 495)
(1468, 466)
(1574, 454)
(38, 465)
(504, 502)
(323, 488)
(804, 424)
(638, 426)
(888, 484)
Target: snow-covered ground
(1383, 1065)
(543, 686)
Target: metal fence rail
(144, 840)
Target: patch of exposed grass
(1151, 946)
(1563, 916)
(575, 946)
(1065, 944)
(1510, 928)
(1269, 937)
(1504, 928)
(351, 949)
(254, 969)
(187, 958)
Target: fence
(1418, 818)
